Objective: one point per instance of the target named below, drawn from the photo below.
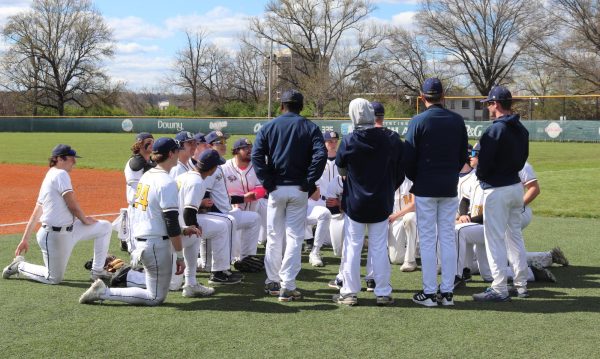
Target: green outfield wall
(572, 130)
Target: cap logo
(219, 133)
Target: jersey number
(141, 197)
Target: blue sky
(148, 33)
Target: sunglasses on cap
(219, 142)
(474, 153)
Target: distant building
(287, 68)
(470, 109)
(162, 105)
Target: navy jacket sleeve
(464, 156)
(319, 157)
(400, 165)
(340, 157)
(410, 151)
(489, 147)
(260, 150)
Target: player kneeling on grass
(57, 209)
(156, 229)
(370, 157)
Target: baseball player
(337, 226)
(63, 225)
(435, 153)
(370, 158)
(156, 230)
(187, 147)
(318, 215)
(289, 157)
(201, 145)
(504, 150)
(135, 167)
(379, 112)
(402, 240)
(243, 224)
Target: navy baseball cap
(378, 108)
(215, 136)
(330, 135)
(208, 160)
(292, 96)
(183, 136)
(498, 93)
(432, 86)
(164, 145)
(64, 150)
(199, 137)
(241, 143)
(142, 136)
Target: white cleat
(197, 290)
(314, 258)
(94, 292)
(13, 267)
(408, 266)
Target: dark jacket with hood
(372, 158)
(504, 150)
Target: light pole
(270, 76)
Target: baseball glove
(115, 265)
(250, 264)
(109, 258)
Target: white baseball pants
(377, 256)
(320, 217)
(248, 231)
(156, 257)
(402, 239)
(435, 223)
(286, 221)
(336, 233)
(502, 208)
(57, 247)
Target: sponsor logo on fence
(170, 125)
(217, 125)
(257, 127)
(475, 131)
(553, 130)
(127, 125)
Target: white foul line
(21, 223)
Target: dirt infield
(98, 192)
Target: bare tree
(486, 37)
(249, 73)
(312, 31)
(59, 46)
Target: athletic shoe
(119, 279)
(103, 274)
(371, 285)
(197, 290)
(558, 256)
(428, 300)
(384, 300)
(458, 282)
(308, 245)
(446, 299)
(348, 299)
(408, 266)
(272, 288)
(287, 295)
(315, 260)
(94, 292)
(490, 295)
(336, 283)
(13, 267)
(542, 274)
(520, 292)
(222, 277)
(467, 275)
(234, 274)
(124, 247)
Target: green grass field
(559, 320)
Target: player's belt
(58, 229)
(145, 239)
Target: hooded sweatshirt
(504, 150)
(371, 157)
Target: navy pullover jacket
(435, 152)
(504, 150)
(372, 158)
(289, 151)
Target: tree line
(331, 50)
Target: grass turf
(559, 320)
(567, 172)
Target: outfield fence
(539, 130)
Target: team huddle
(458, 208)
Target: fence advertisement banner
(539, 130)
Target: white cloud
(135, 28)
(134, 48)
(139, 71)
(7, 11)
(404, 19)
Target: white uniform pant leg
(336, 233)
(340, 275)
(176, 279)
(511, 274)
(276, 234)
(217, 232)
(100, 232)
(131, 243)
(426, 208)
(462, 231)
(191, 245)
(261, 209)
(515, 246)
(248, 224)
(526, 216)
(396, 242)
(378, 235)
(543, 258)
(295, 222)
(447, 207)
(56, 249)
(353, 242)
(409, 222)
(136, 279)
(321, 217)
(156, 259)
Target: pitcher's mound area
(97, 191)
